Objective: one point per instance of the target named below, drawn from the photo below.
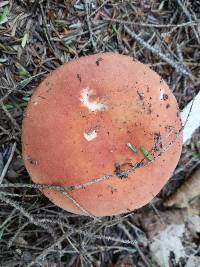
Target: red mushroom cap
(88, 119)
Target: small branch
(160, 54)
(102, 5)
(47, 250)
(10, 117)
(193, 107)
(196, 33)
(125, 230)
(8, 219)
(17, 88)
(79, 206)
(31, 219)
(124, 22)
(8, 162)
(13, 238)
(89, 26)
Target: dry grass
(37, 37)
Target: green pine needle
(146, 153)
(132, 147)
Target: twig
(124, 22)
(89, 26)
(190, 19)
(57, 188)
(15, 205)
(79, 206)
(47, 250)
(8, 218)
(156, 211)
(10, 242)
(95, 180)
(123, 227)
(160, 54)
(91, 235)
(47, 33)
(8, 162)
(102, 5)
(10, 117)
(16, 88)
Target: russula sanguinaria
(96, 116)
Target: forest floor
(35, 38)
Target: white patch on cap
(89, 136)
(91, 105)
(161, 94)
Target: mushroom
(106, 122)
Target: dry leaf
(154, 224)
(66, 33)
(193, 225)
(187, 195)
(125, 262)
(193, 121)
(193, 261)
(171, 231)
(166, 241)
(168, 39)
